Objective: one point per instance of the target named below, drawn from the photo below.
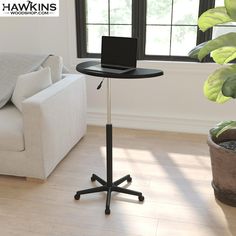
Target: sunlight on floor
(179, 169)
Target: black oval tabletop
(138, 73)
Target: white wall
(172, 102)
(37, 34)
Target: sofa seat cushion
(11, 129)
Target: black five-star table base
(105, 187)
(108, 185)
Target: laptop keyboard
(106, 69)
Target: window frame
(138, 30)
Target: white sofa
(33, 142)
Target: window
(224, 28)
(101, 17)
(169, 26)
(109, 18)
(166, 29)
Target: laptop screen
(119, 51)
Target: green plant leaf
(229, 87)
(213, 85)
(194, 52)
(224, 55)
(212, 17)
(231, 8)
(226, 40)
(222, 127)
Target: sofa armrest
(54, 120)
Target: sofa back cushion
(11, 66)
(56, 65)
(29, 84)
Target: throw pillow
(29, 84)
(56, 64)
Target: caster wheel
(141, 198)
(93, 178)
(77, 196)
(129, 179)
(107, 211)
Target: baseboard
(153, 123)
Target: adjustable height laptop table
(109, 185)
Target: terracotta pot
(223, 163)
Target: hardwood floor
(171, 169)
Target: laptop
(118, 56)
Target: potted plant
(220, 87)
